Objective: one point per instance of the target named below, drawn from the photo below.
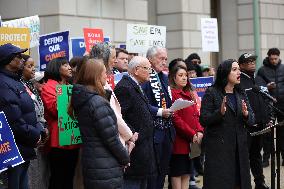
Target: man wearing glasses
(19, 109)
(135, 111)
(158, 92)
(262, 116)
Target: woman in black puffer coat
(103, 155)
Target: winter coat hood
(266, 63)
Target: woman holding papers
(188, 128)
(225, 114)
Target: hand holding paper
(180, 104)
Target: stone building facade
(181, 17)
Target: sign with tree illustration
(69, 133)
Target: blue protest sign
(201, 84)
(78, 46)
(122, 46)
(106, 39)
(9, 152)
(52, 46)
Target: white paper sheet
(180, 104)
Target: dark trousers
(134, 184)
(62, 168)
(255, 146)
(163, 142)
(18, 176)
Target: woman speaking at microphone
(225, 114)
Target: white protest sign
(141, 37)
(209, 32)
(31, 22)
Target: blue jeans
(134, 184)
(18, 176)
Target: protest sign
(78, 46)
(209, 33)
(52, 46)
(17, 36)
(92, 36)
(123, 46)
(141, 37)
(9, 152)
(106, 39)
(31, 22)
(110, 81)
(201, 84)
(69, 132)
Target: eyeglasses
(19, 56)
(145, 68)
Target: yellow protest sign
(17, 36)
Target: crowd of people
(131, 139)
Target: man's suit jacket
(150, 95)
(135, 111)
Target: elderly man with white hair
(158, 92)
(136, 113)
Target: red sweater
(49, 99)
(186, 122)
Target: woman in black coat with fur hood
(225, 114)
(103, 155)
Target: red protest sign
(110, 80)
(92, 36)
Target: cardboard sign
(141, 37)
(201, 84)
(9, 152)
(17, 36)
(32, 22)
(209, 32)
(69, 132)
(92, 36)
(52, 46)
(78, 46)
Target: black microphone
(257, 89)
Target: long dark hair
(223, 72)
(172, 74)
